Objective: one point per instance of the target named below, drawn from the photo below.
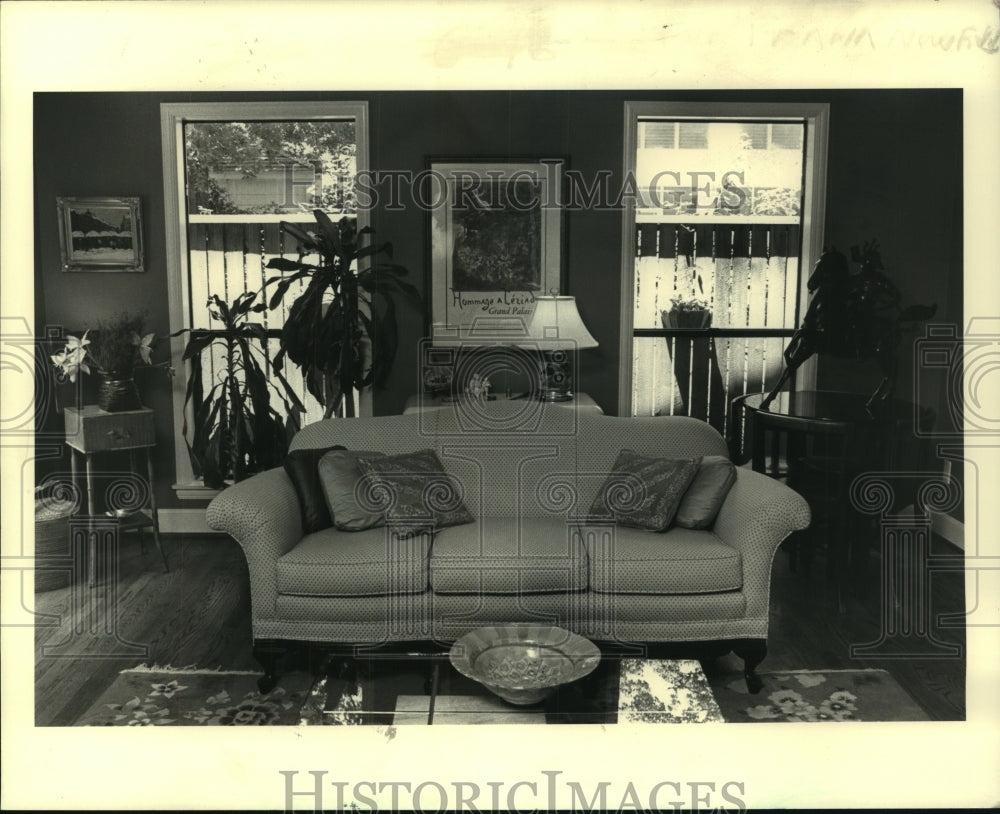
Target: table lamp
(556, 330)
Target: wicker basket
(53, 555)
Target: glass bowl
(524, 663)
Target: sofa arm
(262, 514)
(758, 514)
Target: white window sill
(194, 490)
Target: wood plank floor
(199, 614)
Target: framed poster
(496, 244)
(100, 234)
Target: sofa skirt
(428, 616)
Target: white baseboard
(184, 521)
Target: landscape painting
(100, 234)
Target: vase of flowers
(111, 351)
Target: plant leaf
(303, 237)
(285, 264)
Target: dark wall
(894, 174)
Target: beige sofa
(528, 473)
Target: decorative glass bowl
(524, 663)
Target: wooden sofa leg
(271, 656)
(752, 651)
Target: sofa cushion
(420, 492)
(302, 466)
(680, 561)
(362, 563)
(340, 476)
(707, 492)
(644, 492)
(509, 556)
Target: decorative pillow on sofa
(422, 490)
(340, 474)
(643, 492)
(302, 468)
(707, 492)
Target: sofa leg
(271, 656)
(752, 651)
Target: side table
(91, 430)
(826, 439)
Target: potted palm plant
(236, 429)
(341, 331)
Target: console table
(91, 430)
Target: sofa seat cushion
(509, 556)
(355, 563)
(678, 561)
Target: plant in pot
(689, 312)
(341, 331)
(112, 351)
(236, 430)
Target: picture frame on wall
(100, 234)
(496, 244)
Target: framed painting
(100, 234)
(496, 244)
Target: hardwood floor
(199, 614)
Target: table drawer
(92, 430)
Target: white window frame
(816, 117)
(173, 116)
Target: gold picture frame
(100, 234)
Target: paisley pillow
(416, 489)
(643, 492)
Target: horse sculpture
(852, 316)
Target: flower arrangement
(116, 347)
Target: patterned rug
(163, 696)
(816, 695)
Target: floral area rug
(816, 695)
(162, 696)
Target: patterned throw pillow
(302, 467)
(707, 492)
(643, 492)
(416, 489)
(342, 477)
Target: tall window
(234, 172)
(727, 221)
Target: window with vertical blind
(233, 172)
(727, 221)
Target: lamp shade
(556, 325)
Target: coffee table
(424, 688)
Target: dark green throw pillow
(302, 468)
(707, 492)
(417, 490)
(342, 476)
(643, 492)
